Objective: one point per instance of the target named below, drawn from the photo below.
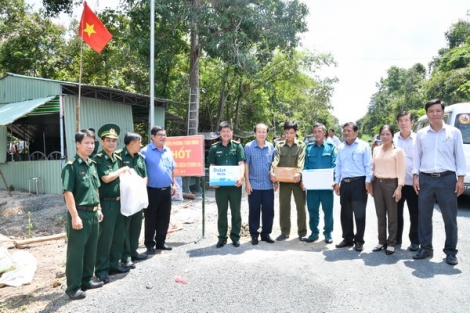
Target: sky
(366, 38)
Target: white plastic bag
(133, 193)
(25, 265)
(178, 196)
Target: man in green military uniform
(132, 224)
(290, 153)
(80, 184)
(111, 237)
(320, 154)
(227, 152)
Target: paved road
(289, 276)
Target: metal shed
(42, 113)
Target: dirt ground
(25, 216)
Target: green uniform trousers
(132, 228)
(111, 238)
(81, 250)
(285, 191)
(224, 195)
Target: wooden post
(6, 185)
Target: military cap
(110, 131)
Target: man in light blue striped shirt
(352, 176)
(259, 187)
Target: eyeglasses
(160, 135)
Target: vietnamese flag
(92, 31)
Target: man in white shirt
(333, 138)
(438, 172)
(406, 139)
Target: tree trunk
(193, 112)
(239, 100)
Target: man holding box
(227, 152)
(290, 153)
(320, 154)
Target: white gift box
(319, 179)
(223, 175)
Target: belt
(87, 208)
(351, 179)
(438, 175)
(385, 178)
(160, 189)
(111, 199)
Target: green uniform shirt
(105, 165)
(82, 180)
(293, 156)
(221, 155)
(137, 162)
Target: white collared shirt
(441, 151)
(408, 145)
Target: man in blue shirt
(160, 186)
(352, 183)
(320, 154)
(259, 155)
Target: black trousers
(261, 202)
(157, 216)
(408, 193)
(442, 189)
(353, 199)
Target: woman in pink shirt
(388, 163)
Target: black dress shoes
(422, 254)
(118, 270)
(76, 295)
(103, 278)
(390, 251)
(379, 248)
(254, 241)
(344, 244)
(358, 246)
(129, 264)
(150, 251)
(93, 285)
(221, 243)
(282, 237)
(236, 243)
(164, 247)
(139, 257)
(451, 259)
(311, 239)
(268, 239)
(413, 247)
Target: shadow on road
(427, 269)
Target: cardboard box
(285, 174)
(223, 175)
(319, 179)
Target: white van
(457, 115)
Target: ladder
(193, 112)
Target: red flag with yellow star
(92, 31)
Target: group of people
(418, 168)
(102, 241)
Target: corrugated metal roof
(13, 111)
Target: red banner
(188, 152)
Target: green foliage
(249, 69)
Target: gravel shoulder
(290, 276)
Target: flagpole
(77, 109)
(152, 65)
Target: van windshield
(462, 122)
